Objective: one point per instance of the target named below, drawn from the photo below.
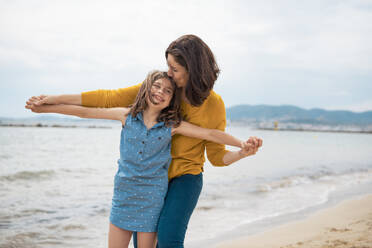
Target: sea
(56, 183)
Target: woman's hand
(70, 99)
(36, 103)
(41, 100)
(247, 149)
(250, 147)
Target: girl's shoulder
(125, 112)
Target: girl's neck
(150, 116)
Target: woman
(191, 64)
(141, 181)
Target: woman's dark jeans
(182, 196)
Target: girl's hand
(247, 149)
(36, 108)
(250, 147)
(254, 141)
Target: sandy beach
(349, 224)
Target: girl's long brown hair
(170, 115)
(192, 53)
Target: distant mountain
(258, 115)
(293, 114)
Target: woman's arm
(73, 99)
(123, 97)
(217, 153)
(83, 112)
(248, 148)
(214, 135)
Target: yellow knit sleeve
(122, 97)
(216, 152)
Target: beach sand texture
(348, 224)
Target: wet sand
(349, 224)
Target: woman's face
(177, 72)
(161, 93)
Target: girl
(141, 181)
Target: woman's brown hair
(170, 115)
(192, 53)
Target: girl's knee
(146, 239)
(118, 237)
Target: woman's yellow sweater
(187, 153)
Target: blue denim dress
(141, 181)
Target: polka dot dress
(141, 181)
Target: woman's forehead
(171, 61)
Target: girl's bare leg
(146, 239)
(118, 238)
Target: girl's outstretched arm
(214, 135)
(83, 112)
(248, 148)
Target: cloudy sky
(313, 54)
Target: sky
(312, 54)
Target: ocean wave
(5, 224)
(28, 175)
(74, 227)
(326, 176)
(204, 208)
(29, 212)
(21, 214)
(21, 240)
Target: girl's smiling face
(161, 93)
